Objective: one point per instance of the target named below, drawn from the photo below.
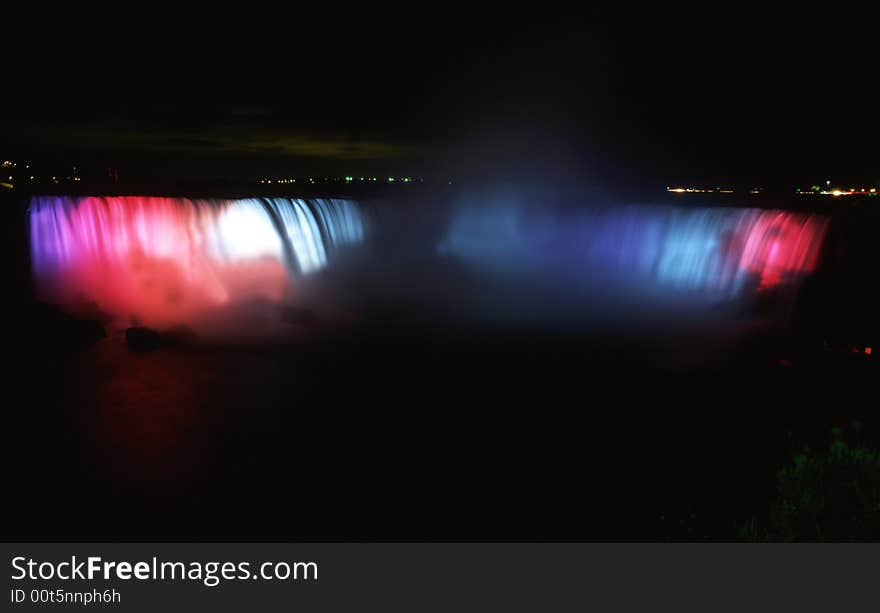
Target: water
(611, 428)
(167, 261)
(700, 254)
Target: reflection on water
(169, 416)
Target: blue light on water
(709, 251)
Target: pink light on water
(781, 245)
(161, 261)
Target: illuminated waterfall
(719, 253)
(160, 260)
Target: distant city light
(838, 191)
(699, 190)
(814, 189)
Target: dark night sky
(607, 96)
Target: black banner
(435, 577)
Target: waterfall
(713, 253)
(163, 259)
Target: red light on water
(162, 261)
(781, 244)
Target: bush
(825, 497)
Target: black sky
(605, 96)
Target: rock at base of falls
(142, 339)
